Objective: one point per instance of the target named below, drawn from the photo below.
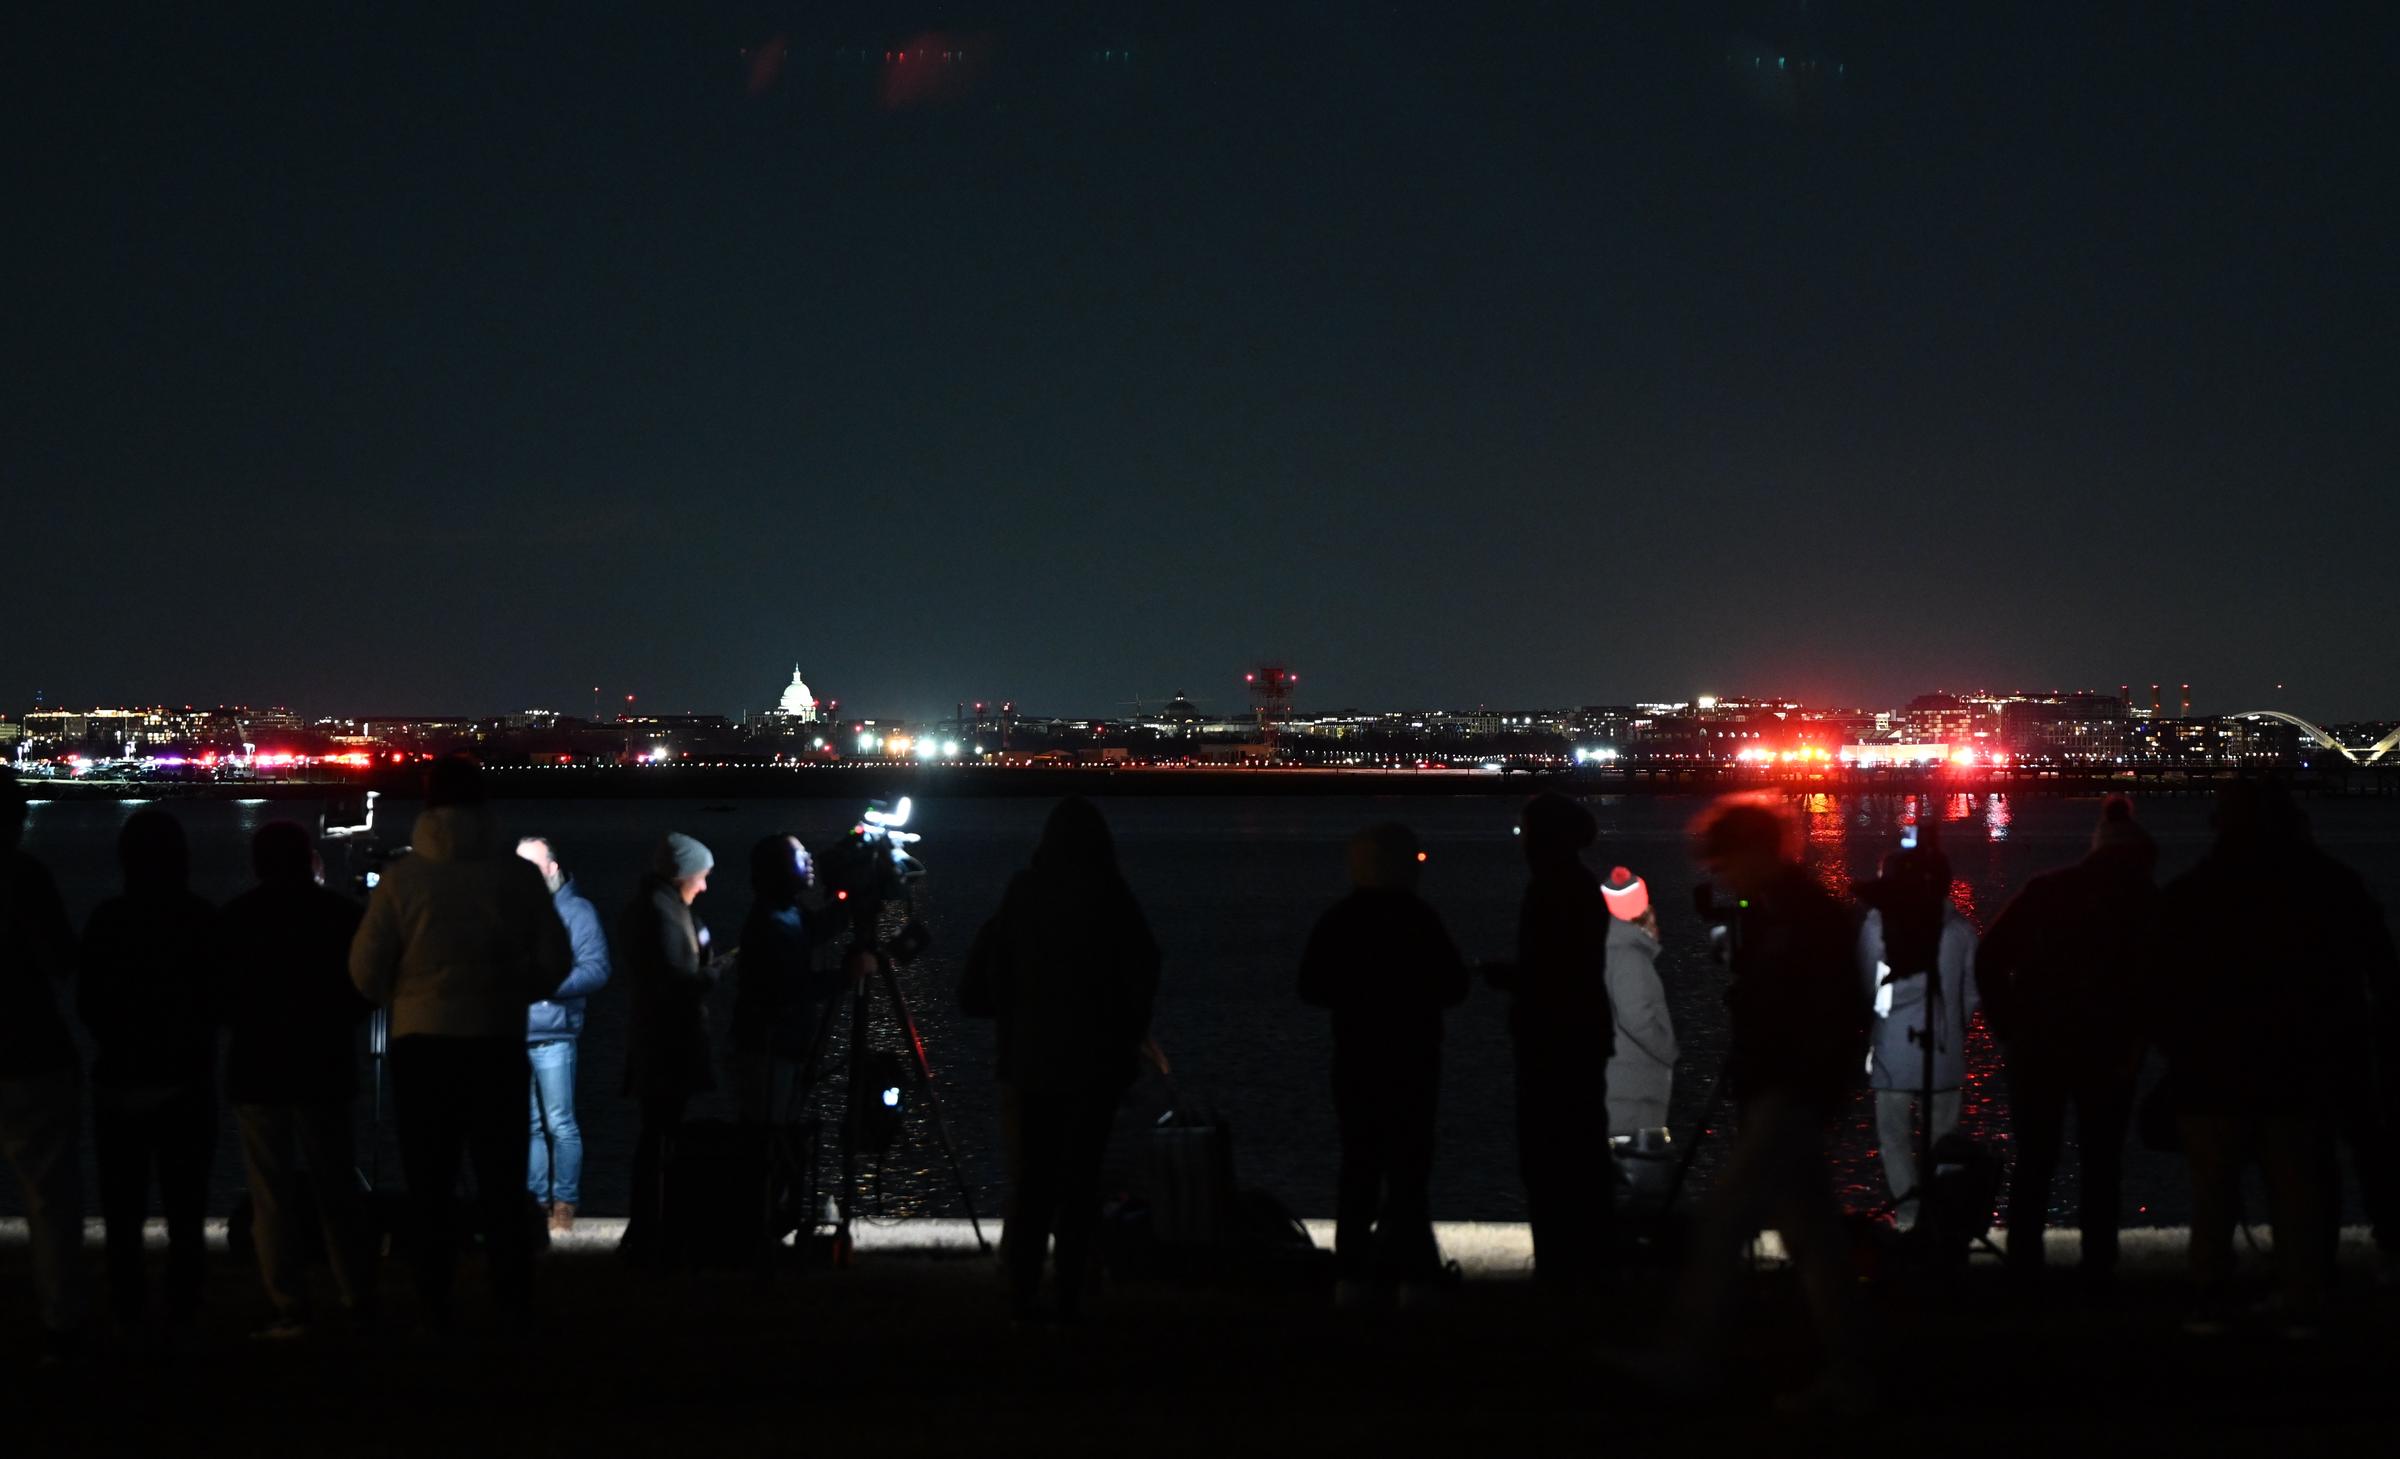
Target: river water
(1231, 887)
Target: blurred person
(1560, 1023)
(460, 938)
(1797, 1034)
(779, 987)
(2058, 972)
(144, 994)
(1641, 1066)
(1068, 969)
(553, 1032)
(291, 1071)
(41, 1086)
(1905, 1090)
(1383, 965)
(671, 969)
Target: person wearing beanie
(671, 970)
(460, 938)
(2059, 971)
(1383, 965)
(1561, 1026)
(1641, 1069)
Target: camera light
(891, 1096)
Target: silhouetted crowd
(2264, 978)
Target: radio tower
(1270, 688)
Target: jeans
(2037, 1113)
(1896, 1128)
(454, 1097)
(1054, 1141)
(554, 1169)
(274, 1138)
(39, 1116)
(169, 1134)
(1383, 1229)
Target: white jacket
(1894, 1060)
(461, 935)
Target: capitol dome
(797, 701)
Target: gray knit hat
(680, 856)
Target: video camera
(348, 821)
(871, 868)
(1911, 893)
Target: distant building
(798, 705)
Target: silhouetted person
(1069, 970)
(2366, 1054)
(41, 1091)
(1381, 962)
(553, 1031)
(2059, 973)
(779, 987)
(1905, 1092)
(671, 970)
(1797, 1034)
(291, 1070)
(2255, 973)
(144, 994)
(1641, 1062)
(1563, 1031)
(460, 938)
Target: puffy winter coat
(460, 935)
(1641, 1071)
(1895, 1059)
(560, 1016)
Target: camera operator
(778, 986)
(1797, 1032)
(1912, 935)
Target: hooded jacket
(1641, 1071)
(1895, 1060)
(670, 971)
(778, 984)
(560, 1016)
(460, 936)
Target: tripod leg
(933, 1103)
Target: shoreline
(877, 781)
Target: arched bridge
(2320, 738)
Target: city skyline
(1584, 352)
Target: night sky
(1559, 354)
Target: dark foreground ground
(909, 1355)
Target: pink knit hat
(1628, 895)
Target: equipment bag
(1187, 1179)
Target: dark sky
(1555, 354)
